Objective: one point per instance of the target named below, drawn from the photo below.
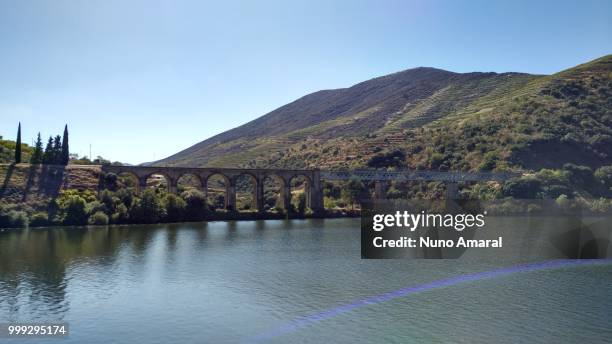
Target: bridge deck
(369, 175)
(451, 176)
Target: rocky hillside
(430, 119)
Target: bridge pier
(380, 189)
(452, 190)
(172, 186)
(315, 195)
(142, 185)
(230, 196)
(286, 196)
(204, 184)
(259, 195)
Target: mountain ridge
(387, 107)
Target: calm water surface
(232, 282)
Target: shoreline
(230, 217)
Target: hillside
(430, 119)
(7, 151)
(33, 185)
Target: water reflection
(224, 282)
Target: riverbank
(223, 217)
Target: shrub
(196, 207)
(601, 205)
(39, 219)
(329, 203)
(353, 191)
(175, 208)
(53, 209)
(95, 206)
(489, 161)
(581, 176)
(603, 175)
(126, 196)
(563, 202)
(121, 214)
(436, 160)
(394, 158)
(523, 187)
(332, 190)
(19, 219)
(74, 211)
(299, 203)
(394, 193)
(269, 199)
(99, 218)
(147, 209)
(110, 181)
(13, 218)
(218, 201)
(109, 201)
(554, 191)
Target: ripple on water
(223, 283)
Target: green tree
(147, 209)
(604, 177)
(48, 154)
(527, 187)
(18, 145)
(74, 211)
(175, 208)
(489, 161)
(581, 176)
(196, 207)
(37, 154)
(299, 203)
(353, 191)
(65, 155)
(57, 150)
(121, 214)
(99, 218)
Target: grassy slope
(524, 122)
(391, 103)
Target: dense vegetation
(123, 206)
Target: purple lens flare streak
(330, 313)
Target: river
(294, 281)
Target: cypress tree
(18, 145)
(37, 155)
(65, 151)
(57, 150)
(48, 155)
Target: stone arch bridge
(313, 180)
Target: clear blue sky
(140, 80)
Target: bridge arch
(303, 182)
(128, 180)
(224, 188)
(189, 180)
(217, 189)
(273, 191)
(153, 179)
(246, 187)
